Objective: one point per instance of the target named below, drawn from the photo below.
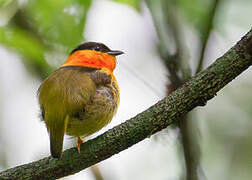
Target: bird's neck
(92, 59)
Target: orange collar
(91, 58)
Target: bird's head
(93, 55)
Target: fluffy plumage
(78, 100)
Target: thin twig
(172, 22)
(206, 34)
(180, 62)
(190, 148)
(96, 172)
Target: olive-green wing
(63, 94)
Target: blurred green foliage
(196, 12)
(41, 31)
(28, 46)
(40, 28)
(59, 22)
(134, 3)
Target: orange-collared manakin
(81, 96)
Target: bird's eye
(97, 48)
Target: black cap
(97, 47)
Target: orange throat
(92, 59)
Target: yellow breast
(99, 110)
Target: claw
(79, 142)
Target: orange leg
(79, 142)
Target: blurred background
(165, 43)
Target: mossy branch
(195, 92)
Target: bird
(81, 96)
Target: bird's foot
(79, 142)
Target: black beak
(115, 52)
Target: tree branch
(189, 144)
(195, 92)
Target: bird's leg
(79, 142)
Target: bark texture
(195, 92)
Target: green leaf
(29, 47)
(59, 21)
(4, 2)
(133, 3)
(195, 11)
(45, 28)
(21, 41)
(7, 9)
